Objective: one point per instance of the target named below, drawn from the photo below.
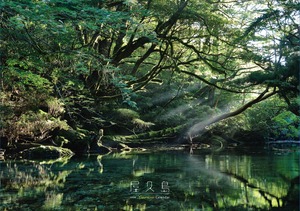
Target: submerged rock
(45, 152)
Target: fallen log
(144, 138)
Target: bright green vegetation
(148, 70)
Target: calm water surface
(151, 181)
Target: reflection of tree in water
(290, 200)
(196, 182)
(227, 183)
(218, 194)
(99, 160)
(292, 197)
(31, 179)
(32, 176)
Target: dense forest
(95, 75)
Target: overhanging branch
(196, 129)
(210, 83)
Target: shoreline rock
(45, 152)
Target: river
(173, 180)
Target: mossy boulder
(45, 152)
(76, 140)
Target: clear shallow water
(150, 181)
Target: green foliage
(55, 106)
(259, 77)
(141, 125)
(286, 125)
(131, 119)
(175, 62)
(27, 81)
(273, 120)
(232, 126)
(37, 125)
(126, 113)
(259, 117)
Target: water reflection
(194, 182)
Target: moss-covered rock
(76, 140)
(45, 152)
